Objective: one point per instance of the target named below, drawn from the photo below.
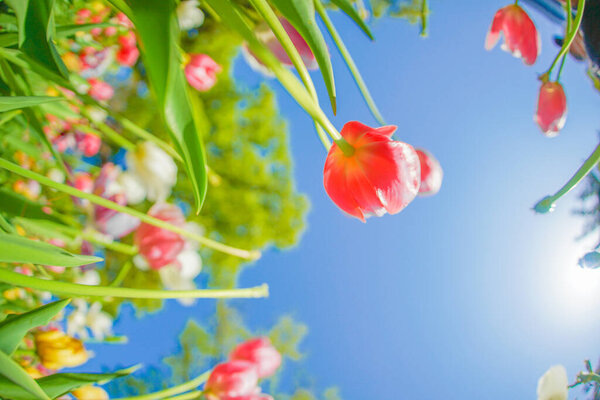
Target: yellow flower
(34, 372)
(90, 393)
(57, 350)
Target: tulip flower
(261, 353)
(232, 379)
(551, 112)
(431, 174)
(201, 72)
(521, 36)
(57, 350)
(380, 175)
(128, 56)
(189, 15)
(158, 246)
(553, 385)
(100, 90)
(154, 168)
(88, 143)
(90, 393)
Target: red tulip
(84, 182)
(431, 174)
(261, 353)
(381, 175)
(201, 72)
(100, 90)
(235, 379)
(552, 108)
(160, 247)
(128, 40)
(128, 56)
(88, 143)
(521, 36)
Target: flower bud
(232, 379)
(201, 72)
(57, 350)
(261, 353)
(551, 109)
(90, 393)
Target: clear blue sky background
(465, 295)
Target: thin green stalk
(547, 203)
(187, 396)
(106, 131)
(74, 289)
(145, 135)
(271, 19)
(349, 62)
(246, 254)
(184, 387)
(122, 274)
(424, 17)
(568, 39)
(7, 116)
(569, 11)
(102, 240)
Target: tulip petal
(493, 34)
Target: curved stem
(279, 31)
(184, 387)
(569, 11)
(569, 39)
(187, 396)
(74, 289)
(547, 203)
(246, 254)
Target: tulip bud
(57, 350)
(551, 109)
(232, 379)
(201, 72)
(100, 90)
(261, 353)
(90, 393)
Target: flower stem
(74, 289)
(569, 11)
(547, 203)
(122, 274)
(187, 396)
(105, 130)
(569, 38)
(184, 387)
(246, 254)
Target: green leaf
(8, 103)
(12, 371)
(301, 14)
(14, 328)
(58, 384)
(36, 30)
(17, 249)
(18, 205)
(350, 11)
(8, 39)
(158, 32)
(46, 229)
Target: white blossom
(189, 15)
(92, 318)
(154, 168)
(553, 385)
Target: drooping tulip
(521, 36)
(551, 113)
(380, 175)
(431, 173)
(158, 246)
(553, 385)
(232, 379)
(57, 350)
(261, 353)
(201, 72)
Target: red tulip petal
(493, 34)
(334, 180)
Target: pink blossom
(261, 353)
(84, 182)
(158, 246)
(201, 72)
(88, 143)
(100, 90)
(128, 56)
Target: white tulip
(154, 168)
(553, 385)
(189, 15)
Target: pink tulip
(88, 143)
(236, 379)
(261, 353)
(551, 112)
(100, 90)
(521, 36)
(158, 246)
(201, 72)
(84, 182)
(128, 56)
(114, 223)
(303, 49)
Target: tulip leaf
(36, 30)
(8, 39)
(14, 327)
(18, 205)
(58, 385)
(17, 249)
(350, 11)
(158, 32)
(8, 103)
(301, 14)
(15, 374)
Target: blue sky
(465, 295)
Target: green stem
(187, 396)
(74, 289)
(349, 62)
(424, 18)
(569, 11)
(184, 387)
(271, 19)
(106, 131)
(246, 254)
(547, 203)
(7, 116)
(568, 39)
(145, 135)
(122, 273)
